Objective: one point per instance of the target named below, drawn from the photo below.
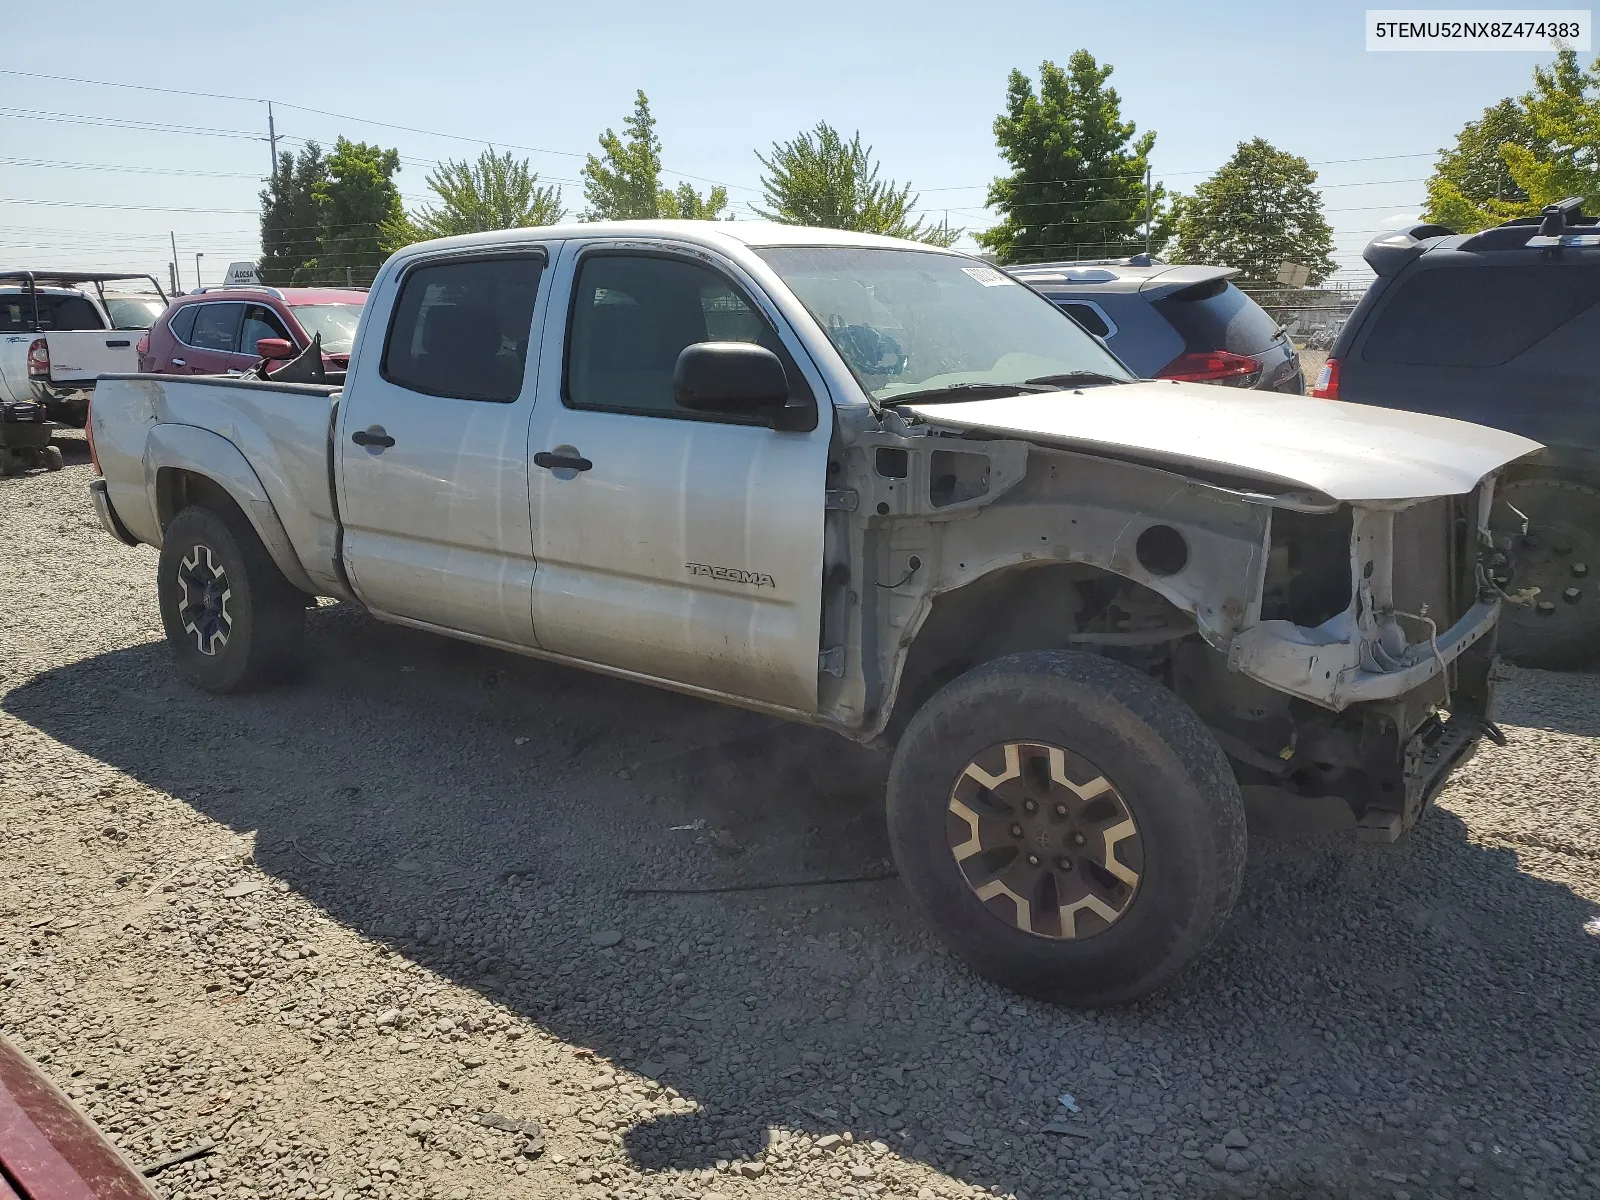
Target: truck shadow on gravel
(1371, 1014)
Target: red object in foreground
(48, 1149)
(1328, 381)
(1211, 366)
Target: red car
(215, 330)
(48, 1149)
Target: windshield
(910, 320)
(335, 322)
(133, 313)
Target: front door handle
(561, 462)
(372, 437)
(119, 342)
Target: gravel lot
(375, 935)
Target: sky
(94, 175)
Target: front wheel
(233, 621)
(1071, 828)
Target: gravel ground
(376, 935)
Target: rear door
(214, 339)
(681, 546)
(433, 441)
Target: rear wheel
(233, 621)
(1071, 828)
(1559, 555)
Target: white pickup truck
(874, 486)
(56, 339)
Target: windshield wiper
(1074, 378)
(967, 391)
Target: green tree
(1524, 153)
(360, 206)
(1077, 186)
(624, 181)
(686, 203)
(497, 191)
(1257, 211)
(820, 179)
(291, 219)
(1471, 181)
(1563, 157)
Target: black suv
(1172, 322)
(1502, 328)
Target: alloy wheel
(1044, 840)
(203, 596)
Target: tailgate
(81, 356)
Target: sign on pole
(240, 274)
(1293, 274)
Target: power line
(321, 112)
(39, 114)
(120, 167)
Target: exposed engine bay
(1334, 648)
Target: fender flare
(172, 447)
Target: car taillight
(1212, 366)
(143, 347)
(39, 359)
(88, 436)
(1327, 381)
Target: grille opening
(1308, 567)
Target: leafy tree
(820, 179)
(359, 205)
(624, 182)
(686, 203)
(1257, 211)
(1524, 153)
(1471, 178)
(1563, 157)
(1077, 187)
(291, 221)
(496, 192)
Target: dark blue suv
(1172, 322)
(1502, 328)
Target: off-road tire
(264, 627)
(1170, 773)
(53, 459)
(1560, 630)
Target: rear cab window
(1215, 315)
(461, 328)
(57, 313)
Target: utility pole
(198, 256)
(272, 140)
(177, 283)
(1149, 216)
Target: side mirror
(732, 378)
(274, 349)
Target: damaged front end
(1375, 638)
(1336, 648)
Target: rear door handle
(372, 437)
(561, 462)
(178, 362)
(119, 342)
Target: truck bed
(273, 436)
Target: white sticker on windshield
(988, 276)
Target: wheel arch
(186, 465)
(939, 646)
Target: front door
(433, 439)
(673, 544)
